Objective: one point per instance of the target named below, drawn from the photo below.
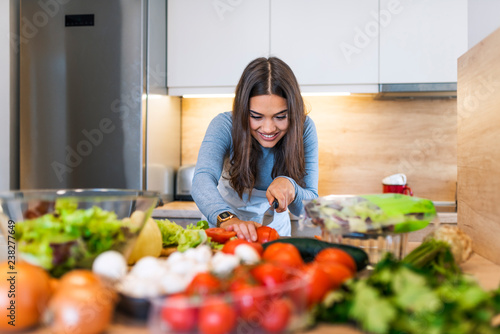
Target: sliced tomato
(219, 234)
(231, 245)
(266, 234)
(283, 253)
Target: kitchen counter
(485, 271)
(184, 213)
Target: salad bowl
(65, 229)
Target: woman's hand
(282, 190)
(244, 229)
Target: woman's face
(268, 119)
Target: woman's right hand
(244, 229)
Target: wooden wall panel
(478, 150)
(362, 140)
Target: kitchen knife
(269, 214)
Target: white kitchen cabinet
(211, 42)
(328, 43)
(420, 41)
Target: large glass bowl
(60, 230)
(376, 223)
(260, 309)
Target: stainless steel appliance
(84, 83)
(184, 182)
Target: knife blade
(269, 214)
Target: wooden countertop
(486, 272)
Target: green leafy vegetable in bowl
(175, 235)
(69, 237)
(370, 213)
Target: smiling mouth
(269, 137)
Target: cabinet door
(420, 41)
(211, 42)
(327, 42)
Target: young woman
(266, 149)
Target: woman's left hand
(282, 190)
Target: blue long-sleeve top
(217, 144)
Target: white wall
(482, 19)
(4, 95)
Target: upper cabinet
(211, 42)
(327, 42)
(331, 45)
(420, 41)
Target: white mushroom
(223, 263)
(247, 254)
(110, 265)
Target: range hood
(438, 90)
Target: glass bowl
(61, 230)
(377, 223)
(282, 308)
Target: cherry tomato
(203, 284)
(178, 314)
(249, 300)
(216, 317)
(277, 316)
(266, 234)
(269, 274)
(318, 283)
(219, 234)
(337, 272)
(338, 256)
(231, 245)
(283, 253)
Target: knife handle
(275, 204)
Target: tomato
(269, 274)
(203, 284)
(337, 272)
(219, 234)
(216, 317)
(178, 314)
(277, 316)
(283, 253)
(249, 300)
(338, 256)
(318, 283)
(231, 245)
(266, 234)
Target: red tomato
(219, 234)
(249, 301)
(318, 283)
(269, 274)
(283, 253)
(231, 245)
(338, 256)
(266, 234)
(178, 314)
(216, 317)
(204, 284)
(337, 272)
(277, 316)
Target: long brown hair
(266, 76)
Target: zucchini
(309, 247)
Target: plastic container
(259, 310)
(60, 230)
(377, 223)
